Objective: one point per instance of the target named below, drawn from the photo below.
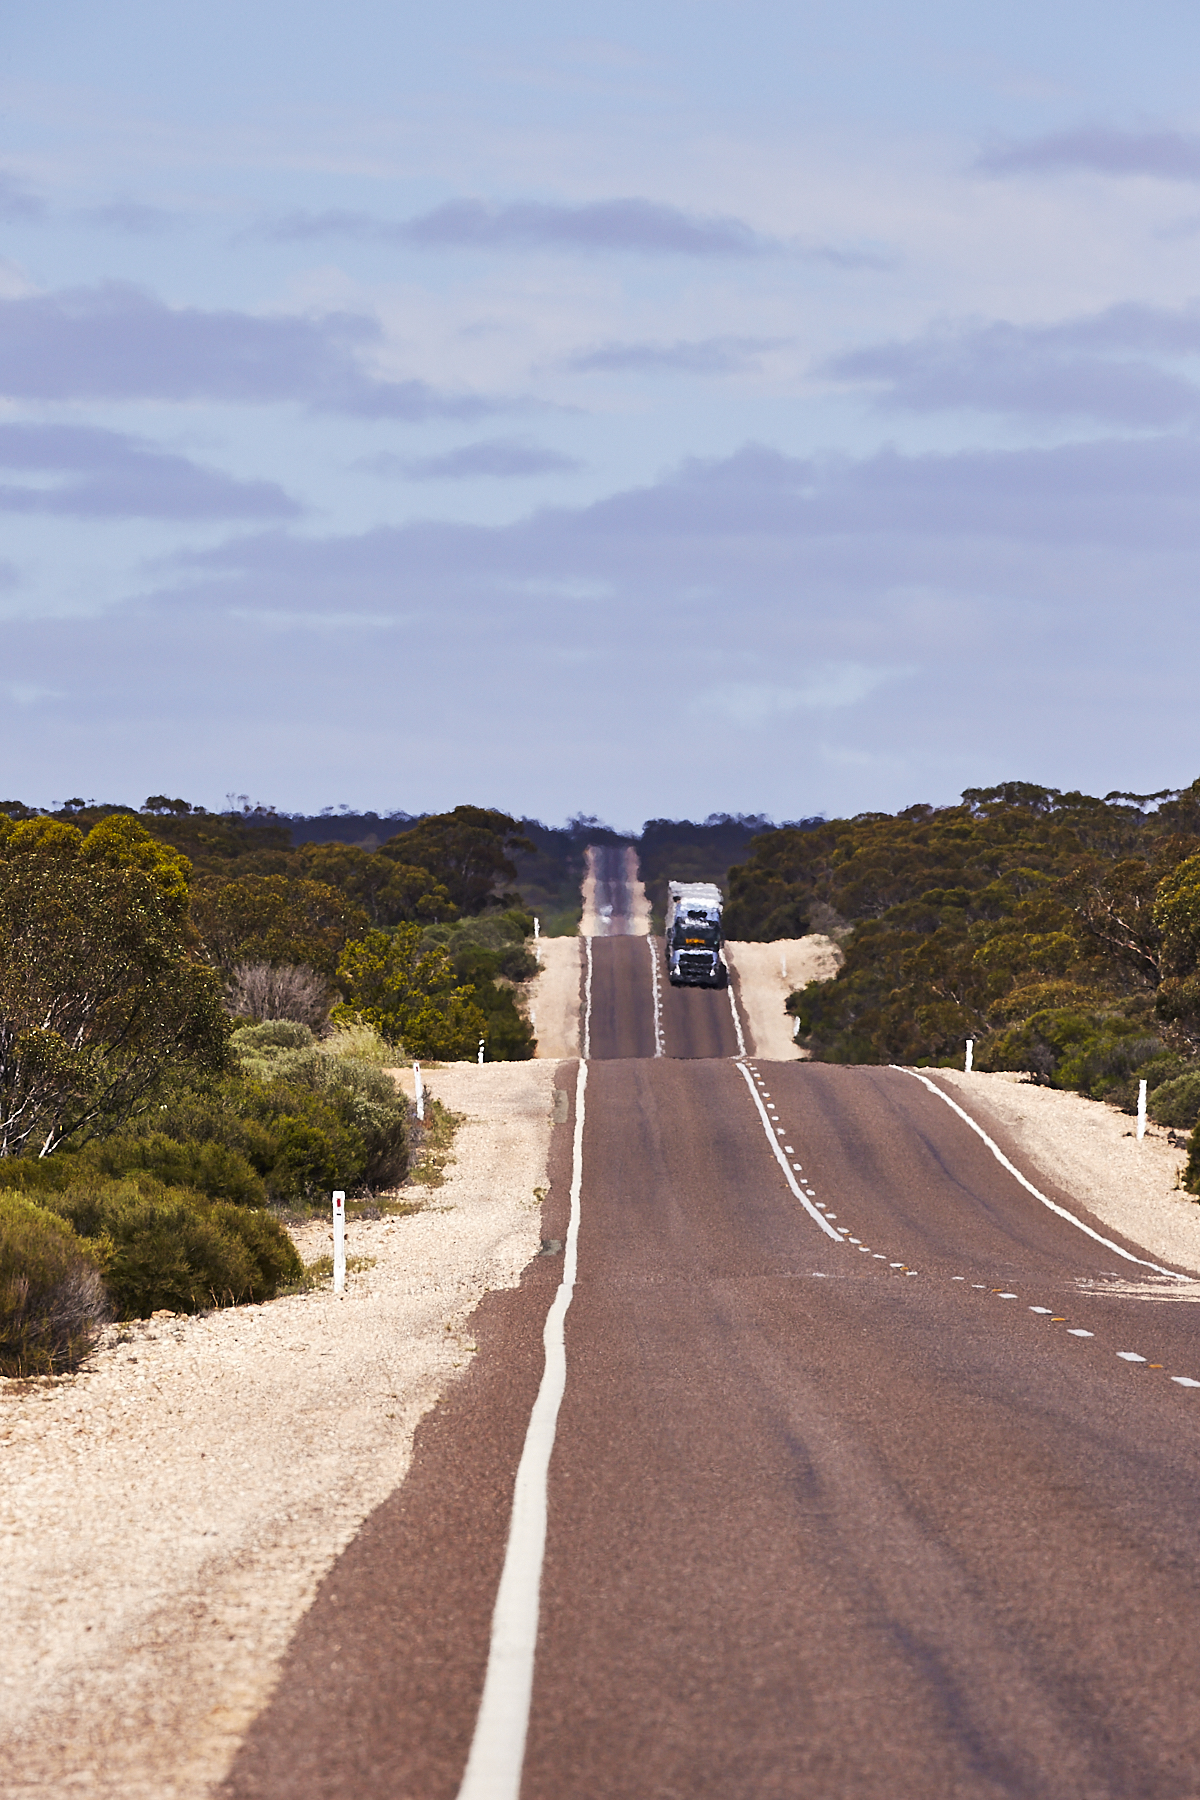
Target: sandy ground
(1091, 1151)
(553, 1002)
(767, 974)
(166, 1515)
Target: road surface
(873, 1475)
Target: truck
(694, 936)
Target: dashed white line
(1042, 1309)
(1130, 1356)
(1006, 1296)
(803, 1198)
(1185, 1381)
(1078, 1331)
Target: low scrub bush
(52, 1297)
(1094, 1053)
(209, 1168)
(1177, 1102)
(166, 1248)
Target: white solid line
(654, 976)
(737, 1018)
(1062, 1212)
(587, 1000)
(493, 1769)
(782, 1161)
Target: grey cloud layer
(117, 342)
(1107, 367)
(645, 227)
(18, 205)
(747, 526)
(130, 217)
(105, 474)
(503, 459)
(698, 356)
(1169, 155)
(844, 633)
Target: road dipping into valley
(871, 1475)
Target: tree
(1177, 915)
(389, 893)
(100, 988)
(275, 919)
(466, 850)
(409, 995)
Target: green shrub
(167, 1248)
(1095, 1053)
(210, 1168)
(1177, 1102)
(52, 1297)
(361, 1042)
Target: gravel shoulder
(554, 997)
(167, 1514)
(767, 974)
(1090, 1150)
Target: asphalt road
(628, 976)
(890, 1512)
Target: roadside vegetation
(1059, 931)
(197, 1021)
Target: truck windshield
(695, 931)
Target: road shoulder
(1090, 1151)
(168, 1514)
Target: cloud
(1102, 149)
(860, 632)
(828, 687)
(105, 474)
(117, 342)
(1106, 367)
(501, 458)
(697, 356)
(130, 217)
(641, 227)
(17, 205)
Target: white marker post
(970, 1056)
(1141, 1129)
(479, 1058)
(339, 1242)
(418, 1090)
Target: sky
(666, 410)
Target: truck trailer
(694, 935)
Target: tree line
(1059, 931)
